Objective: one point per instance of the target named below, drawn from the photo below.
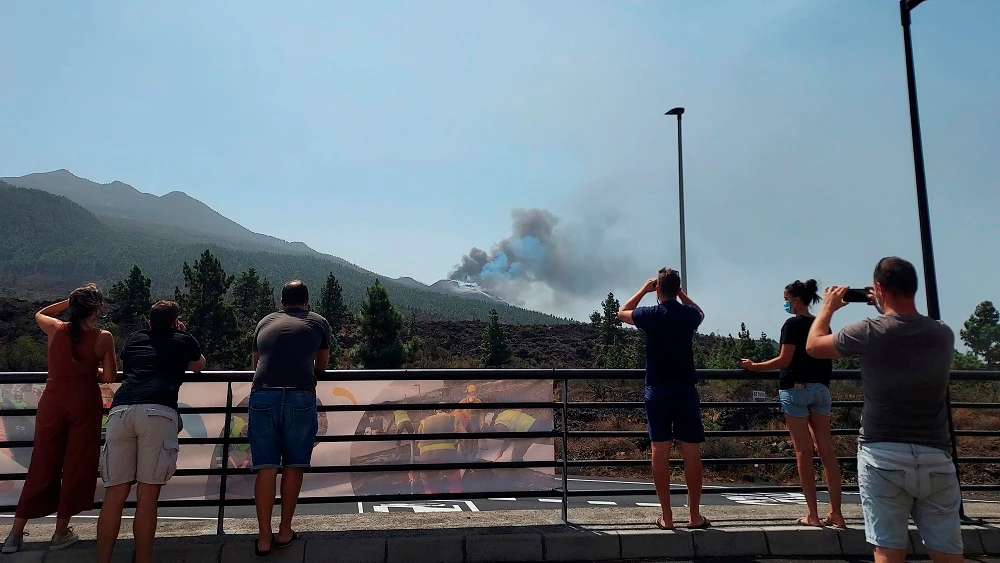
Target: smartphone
(857, 295)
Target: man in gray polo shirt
(289, 348)
(904, 453)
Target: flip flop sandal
(663, 525)
(260, 552)
(704, 524)
(295, 536)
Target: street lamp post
(930, 275)
(680, 192)
(923, 213)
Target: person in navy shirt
(673, 408)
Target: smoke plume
(546, 256)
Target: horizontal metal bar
(345, 376)
(713, 433)
(704, 461)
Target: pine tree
(331, 304)
(765, 348)
(253, 299)
(209, 316)
(981, 333)
(381, 344)
(494, 351)
(131, 298)
(611, 353)
(413, 344)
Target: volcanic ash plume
(573, 259)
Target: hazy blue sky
(400, 134)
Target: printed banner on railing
(381, 418)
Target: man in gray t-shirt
(904, 454)
(289, 348)
(285, 345)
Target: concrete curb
(565, 544)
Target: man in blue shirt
(673, 408)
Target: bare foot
(664, 523)
(835, 520)
(809, 521)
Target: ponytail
(82, 304)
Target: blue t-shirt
(669, 328)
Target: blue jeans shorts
(813, 397)
(282, 428)
(673, 412)
(899, 481)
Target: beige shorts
(141, 445)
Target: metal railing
(561, 379)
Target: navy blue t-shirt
(669, 328)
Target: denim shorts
(898, 481)
(813, 397)
(673, 412)
(282, 428)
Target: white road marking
(361, 507)
(651, 504)
(472, 507)
(511, 499)
(603, 502)
(549, 500)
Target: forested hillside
(49, 245)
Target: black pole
(930, 275)
(680, 191)
(678, 112)
(923, 214)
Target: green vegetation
(131, 297)
(331, 306)
(49, 245)
(494, 352)
(381, 344)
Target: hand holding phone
(858, 295)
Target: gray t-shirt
(287, 342)
(905, 367)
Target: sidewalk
(596, 534)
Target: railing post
(565, 450)
(954, 457)
(224, 465)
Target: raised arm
(46, 318)
(625, 312)
(108, 372)
(821, 343)
(685, 300)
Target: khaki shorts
(141, 445)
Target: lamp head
(675, 111)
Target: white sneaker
(68, 539)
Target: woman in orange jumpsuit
(62, 476)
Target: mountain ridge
(50, 244)
(122, 200)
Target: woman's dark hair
(807, 291)
(82, 304)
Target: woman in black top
(804, 388)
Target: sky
(399, 135)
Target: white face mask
(878, 304)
